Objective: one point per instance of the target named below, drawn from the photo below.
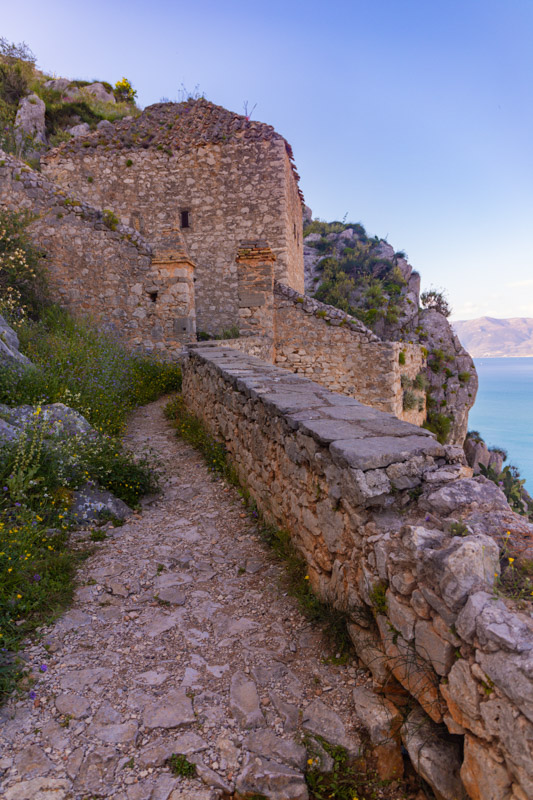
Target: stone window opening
(152, 296)
(185, 219)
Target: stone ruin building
(195, 170)
(187, 220)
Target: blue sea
(503, 411)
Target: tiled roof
(174, 127)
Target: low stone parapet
(388, 522)
(335, 349)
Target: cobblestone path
(180, 640)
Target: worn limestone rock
(39, 789)
(265, 743)
(82, 129)
(275, 781)
(99, 92)
(173, 710)
(89, 504)
(30, 119)
(382, 721)
(435, 758)
(244, 701)
(9, 346)
(320, 720)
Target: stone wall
(103, 269)
(338, 351)
(234, 191)
(373, 504)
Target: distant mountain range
(488, 337)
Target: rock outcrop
(30, 120)
(385, 293)
(10, 354)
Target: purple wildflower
(33, 695)
(43, 667)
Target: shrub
(229, 333)
(23, 289)
(420, 382)
(124, 91)
(439, 424)
(410, 400)
(464, 377)
(437, 359)
(437, 300)
(110, 219)
(401, 358)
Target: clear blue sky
(414, 117)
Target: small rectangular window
(185, 221)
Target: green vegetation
(410, 400)
(93, 374)
(19, 77)
(349, 778)
(401, 358)
(512, 485)
(440, 424)
(179, 765)
(516, 577)
(437, 300)
(358, 280)
(378, 598)
(85, 369)
(110, 219)
(23, 289)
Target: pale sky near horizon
(414, 117)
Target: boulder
(89, 503)
(58, 84)
(105, 125)
(9, 346)
(59, 419)
(30, 119)
(99, 92)
(79, 130)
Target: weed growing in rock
(348, 779)
(179, 765)
(516, 576)
(378, 598)
(439, 424)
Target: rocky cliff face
(367, 278)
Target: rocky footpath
(180, 640)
